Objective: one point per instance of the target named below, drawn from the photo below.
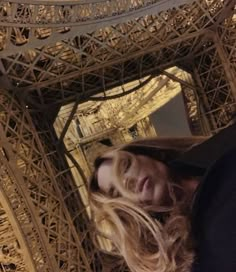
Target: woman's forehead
(104, 175)
(110, 154)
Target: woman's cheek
(161, 195)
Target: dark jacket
(202, 156)
(214, 217)
(214, 207)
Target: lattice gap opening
(116, 116)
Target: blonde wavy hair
(149, 238)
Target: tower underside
(55, 54)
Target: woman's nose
(130, 184)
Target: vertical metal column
(202, 95)
(226, 64)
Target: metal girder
(37, 23)
(57, 61)
(16, 179)
(72, 199)
(61, 70)
(31, 185)
(130, 116)
(53, 60)
(117, 60)
(82, 97)
(121, 38)
(176, 78)
(66, 58)
(72, 113)
(216, 84)
(204, 99)
(227, 11)
(230, 76)
(113, 72)
(70, 13)
(15, 248)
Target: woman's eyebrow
(113, 191)
(107, 161)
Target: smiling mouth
(141, 184)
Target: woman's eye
(127, 165)
(113, 192)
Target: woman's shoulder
(218, 183)
(213, 218)
(197, 160)
(206, 153)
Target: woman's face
(149, 179)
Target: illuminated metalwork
(55, 53)
(30, 184)
(215, 76)
(50, 20)
(110, 55)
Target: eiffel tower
(77, 77)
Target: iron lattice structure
(54, 53)
(38, 188)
